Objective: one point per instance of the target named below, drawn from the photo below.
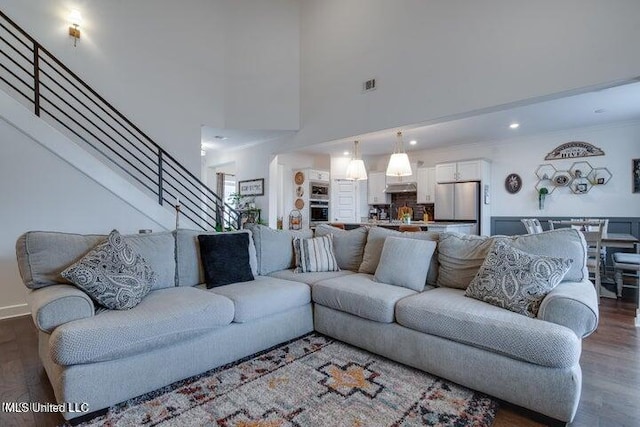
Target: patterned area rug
(312, 381)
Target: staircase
(37, 79)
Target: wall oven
(318, 211)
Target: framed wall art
(252, 187)
(635, 172)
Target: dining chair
(409, 227)
(591, 224)
(593, 236)
(532, 225)
(592, 230)
(626, 266)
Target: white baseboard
(14, 311)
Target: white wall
(40, 191)
(436, 59)
(173, 66)
(524, 155)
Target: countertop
(397, 223)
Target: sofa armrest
(55, 305)
(574, 305)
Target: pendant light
(356, 170)
(399, 161)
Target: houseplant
(542, 193)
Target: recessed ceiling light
(413, 142)
(346, 153)
(514, 125)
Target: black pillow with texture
(225, 258)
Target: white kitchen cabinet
(318, 176)
(446, 172)
(468, 170)
(426, 181)
(376, 184)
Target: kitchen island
(458, 227)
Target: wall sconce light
(74, 30)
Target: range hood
(402, 187)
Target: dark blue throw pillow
(225, 258)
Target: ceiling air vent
(369, 85)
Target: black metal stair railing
(33, 76)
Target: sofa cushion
(263, 297)
(315, 255)
(113, 274)
(447, 313)
(360, 295)
(516, 280)
(42, 255)
(348, 245)
(225, 257)
(461, 255)
(375, 243)
(164, 317)
(309, 278)
(274, 248)
(190, 271)
(405, 262)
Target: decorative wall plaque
(573, 149)
(513, 183)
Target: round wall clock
(513, 183)
(298, 178)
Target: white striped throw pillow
(315, 255)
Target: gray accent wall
(511, 225)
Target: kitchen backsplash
(409, 199)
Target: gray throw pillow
(405, 262)
(315, 255)
(274, 248)
(348, 245)
(112, 274)
(375, 242)
(516, 280)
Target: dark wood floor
(610, 366)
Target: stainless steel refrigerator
(459, 201)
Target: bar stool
(626, 262)
(409, 228)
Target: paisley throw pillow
(516, 280)
(112, 274)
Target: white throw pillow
(405, 262)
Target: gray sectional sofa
(181, 329)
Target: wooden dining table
(621, 240)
